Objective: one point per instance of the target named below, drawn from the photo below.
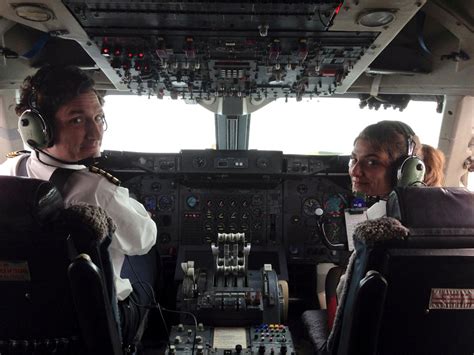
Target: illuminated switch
(105, 50)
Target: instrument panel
(261, 339)
(287, 202)
(255, 212)
(313, 206)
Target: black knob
(238, 348)
(261, 349)
(283, 349)
(24, 122)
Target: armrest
(95, 314)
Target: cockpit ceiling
(202, 49)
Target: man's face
(370, 170)
(79, 126)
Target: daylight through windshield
(317, 126)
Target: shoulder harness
(108, 176)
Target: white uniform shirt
(136, 231)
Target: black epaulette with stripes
(108, 176)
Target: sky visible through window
(329, 125)
(318, 126)
(141, 124)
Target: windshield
(330, 125)
(141, 124)
(317, 126)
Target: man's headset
(409, 169)
(35, 129)
(36, 126)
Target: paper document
(353, 217)
(228, 338)
(378, 210)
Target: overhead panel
(199, 49)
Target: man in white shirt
(61, 118)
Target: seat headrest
(432, 207)
(94, 217)
(27, 204)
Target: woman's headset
(409, 169)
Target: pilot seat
(56, 283)
(409, 284)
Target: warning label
(14, 271)
(452, 298)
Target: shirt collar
(45, 159)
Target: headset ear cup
(396, 167)
(35, 130)
(411, 172)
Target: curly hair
(51, 87)
(434, 162)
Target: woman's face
(370, 170)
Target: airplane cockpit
(250, 222)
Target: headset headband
(407, 132)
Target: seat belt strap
(21, 168)
(59, 178)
